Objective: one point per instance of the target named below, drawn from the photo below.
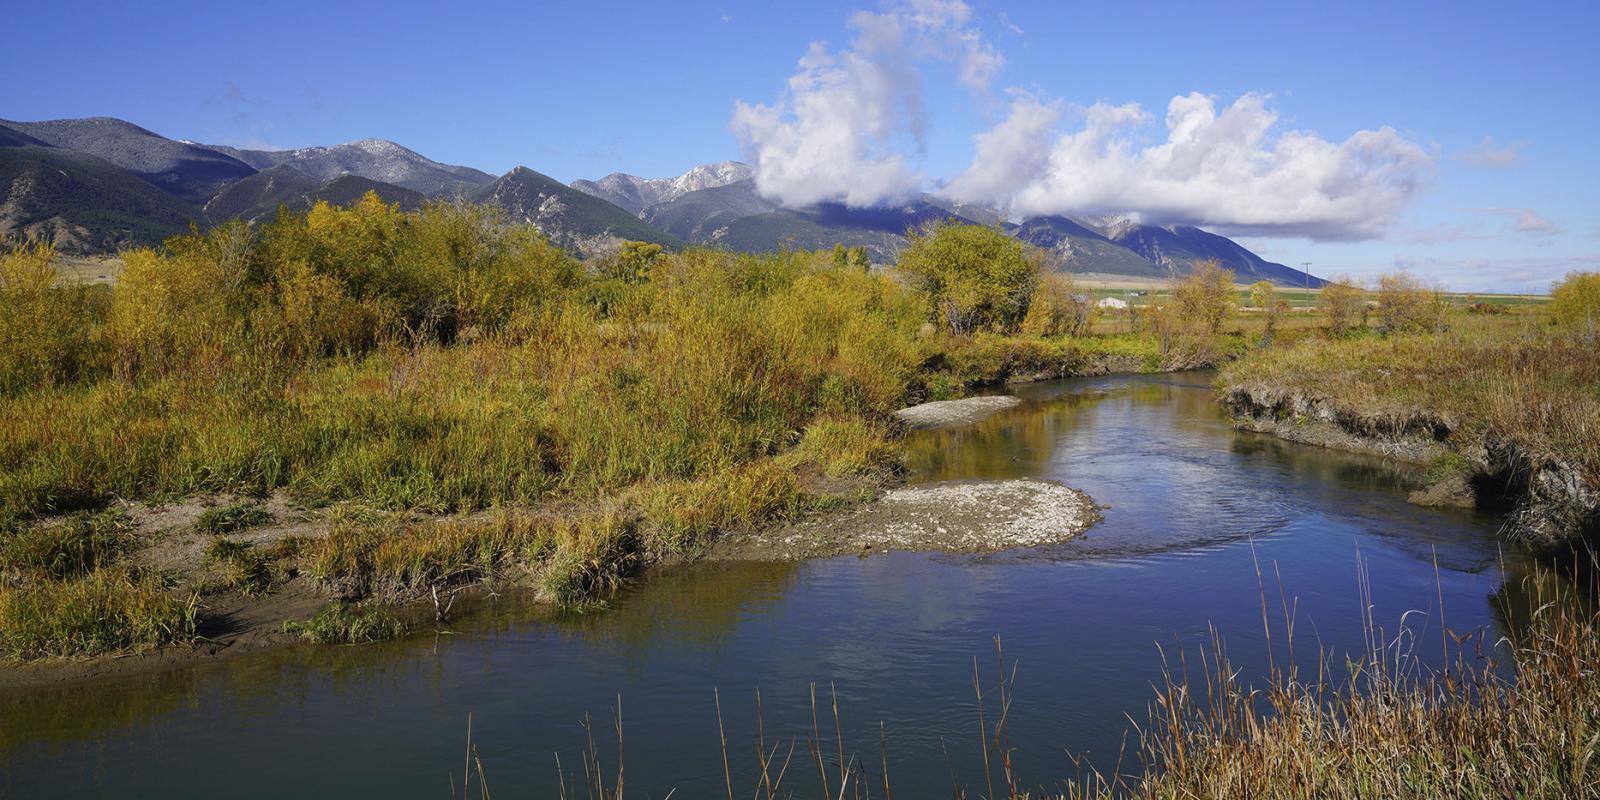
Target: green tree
(846, 257)
(975, 278)
(634, 260)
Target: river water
(1194, 508)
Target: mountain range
(99, 184)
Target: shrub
(47, 333)
(631, 262)
(975, 278)
(1057, 308)
(1575, 302)
(1206, 297)
(1264, 295)
(170, 312)
(1345, 304)
(1406, 306)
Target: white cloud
(850, 127)
(1488, 155)
(1005, 21)
(1529, 222)
(1229, 170)
(1010, 154)
(838, 132)
(1525, 222)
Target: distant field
(89, 269)
(105, 269)
(1121, 286)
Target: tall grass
(105, 610)
(1507, 379)
(1385, 725)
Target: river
(1193, 508)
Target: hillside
(89, 205)
(258, 197)
(187, 171)
(1178, 247)
(347, 189)
(374, 159)
(1081, 249)
(636, 195)
(696, 216)
(573, 220)
(880, 230)
(82, 204)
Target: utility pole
(1305, 266)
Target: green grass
(231, 518)
(104, 611)
(346, 623)
(240, 567)
(73, 547)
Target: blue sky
(1488, 176)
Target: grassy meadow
(1514, 394)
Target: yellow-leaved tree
(975, 278)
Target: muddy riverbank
(1548, 502)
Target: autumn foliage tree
(1405, 305)
(1264, 295)
(975, 278)
(1206, 297)
(1575, 302)
(1345, 305)
(1057, 308)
